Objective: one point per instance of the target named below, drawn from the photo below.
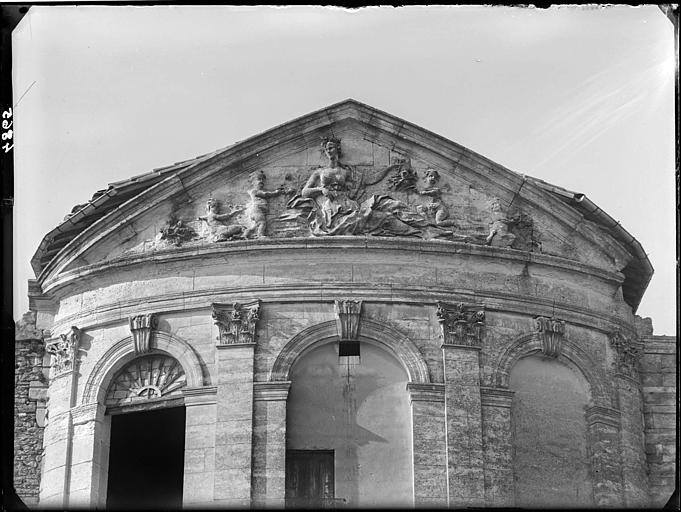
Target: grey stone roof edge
(104, 201)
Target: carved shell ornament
(146, 378)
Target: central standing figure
(329, 187)
(328, 201)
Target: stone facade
(30, 386)
(351, 288)
(658, 380)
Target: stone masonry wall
(29, 407)
(658, 378)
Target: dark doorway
(146, 461)
(309, 479)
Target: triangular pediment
(391, 178)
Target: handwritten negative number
(7, 133)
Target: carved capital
(551, 332)
(461, 324)
(348, 314)
(140, 328)
(627, 353)
(238, 324)
(63, 350)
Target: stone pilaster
(603, 424)
(90, 456)
(464, 425)
(632, 441)
(234, 425)
(429, 444)
(497, 442)
(55, 478)
(55, 470)
(199, 446)
(269, 444)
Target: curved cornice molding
(110, 313)
(402, 347)
(244, 248)
(123, 352)
(571, 354)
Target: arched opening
(550, 463)
(348, 431)
(147, 434)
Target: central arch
(349, 428)
(406, 352)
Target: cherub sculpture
(216, 227)
(257, 208)
(436, 209)
(499, 235)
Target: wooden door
(309, 478)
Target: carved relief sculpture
(257, 208)
(461, 325)
(435, 211)
(64, 350)
(238, 325)
(499, 234)
(145, 378)
(551, 332)
(347, 318)
(216, 227)
(327, 202)
(404, 177)
(140, 328)
(176, 232)
(627, 353)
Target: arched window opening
(147, 421)
(348, 431)
(550, 463)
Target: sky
(581, 97)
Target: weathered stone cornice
(271, 391)
(659, 344)
(496, 397)
(204, 395)
(116, 312)
(604, 415)
(244, 248)
(426, 392)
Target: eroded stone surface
(349, 226)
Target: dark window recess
(310, 479)
(146, 460)
(347, 348)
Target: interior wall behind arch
(550, 461)
(363, 414)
